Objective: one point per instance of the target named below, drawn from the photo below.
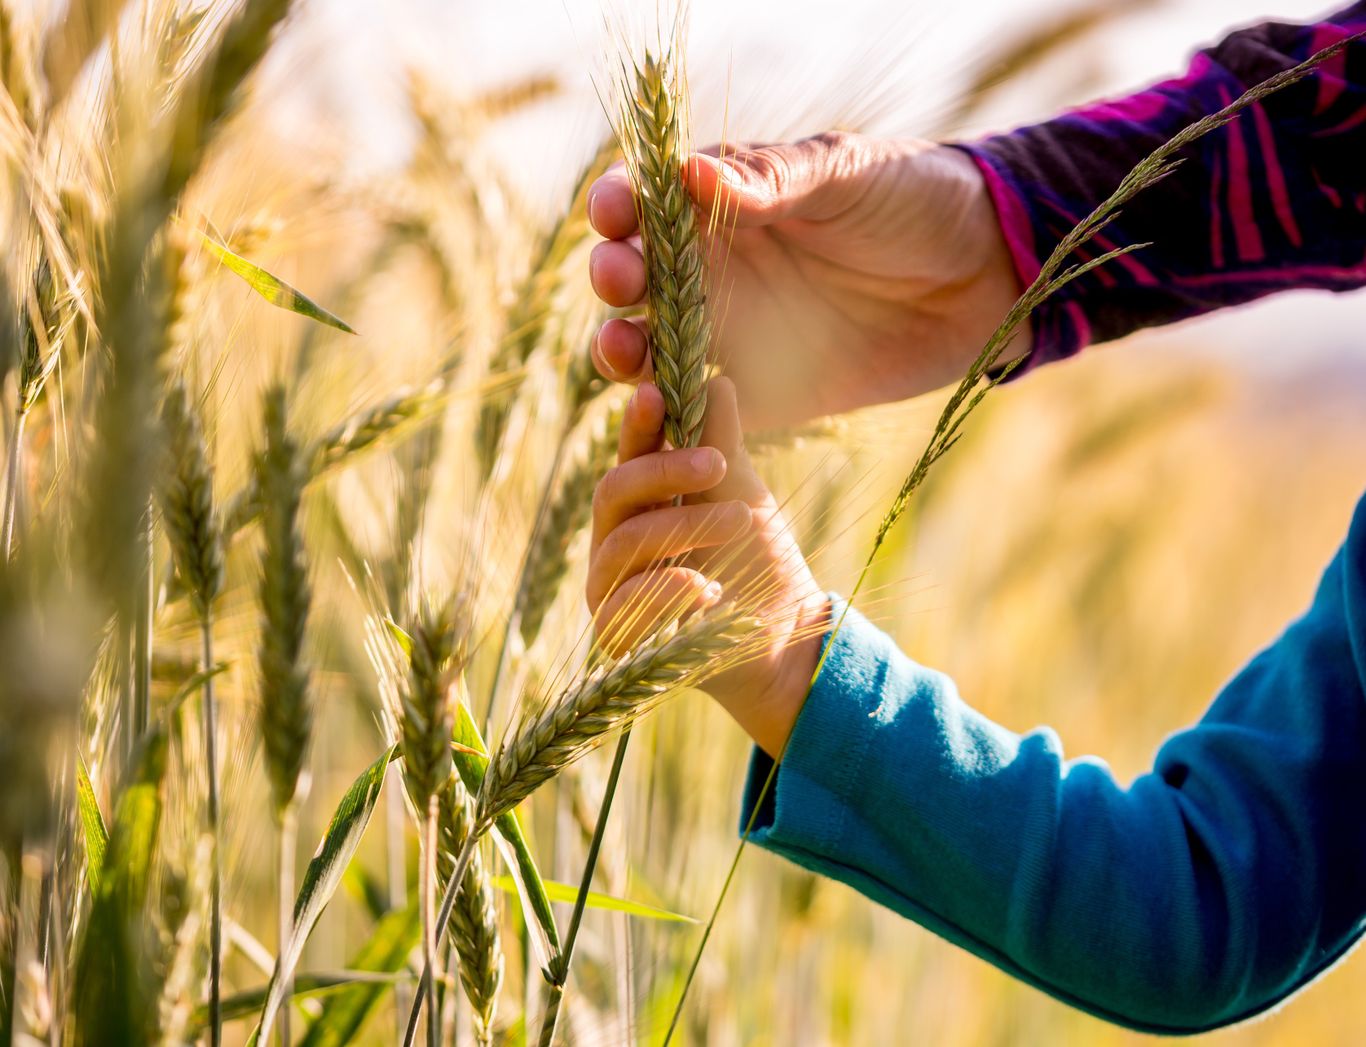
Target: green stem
(427, 897)
(561, 964)
(462, 864)
(289, 836)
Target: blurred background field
(1114, 537)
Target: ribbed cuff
(1059, 324)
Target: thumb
(722, 430)
(757, 185)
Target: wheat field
(306, 733)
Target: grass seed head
(286, 712)
(656, 143)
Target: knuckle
(605, 493)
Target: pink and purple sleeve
(1276, 200)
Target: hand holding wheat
(728, 541)
(872, 270)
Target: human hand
(653, 560)
(858, 271)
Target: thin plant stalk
(396, 858)
(289, 837)
(555, 994)
(143, 630)
(967, 396)
(210, 717)
(16, 457)
(427, 902)
(438, 927)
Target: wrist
(991, 219)
(769, 717)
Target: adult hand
(854, 271)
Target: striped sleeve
(1275, 200)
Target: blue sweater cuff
(806, 803)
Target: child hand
(653, 560)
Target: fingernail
(592, 207)
(703, 460)
(712, 592)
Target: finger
(646, 601)
(722, 430)
(758, 185)
(616, 270)
(653, 538)
(649, 480)
(621, 350)
(612, 205)
(642, 423)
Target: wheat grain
(655, 140)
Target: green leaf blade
(323, 876)
(273, 289)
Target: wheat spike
(655, 133)
(610, 698)
(567, 514)
(426, 713)
(286, 713)
(187, 502)
(473, 929)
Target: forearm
(1276, 200)
(1203, 894)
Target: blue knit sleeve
(1206, 892)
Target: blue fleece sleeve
(1209, 890)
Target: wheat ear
(655, 141)
(607, 700)
(286, 713)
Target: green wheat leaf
(322, 878)
(273, 289)
(563, 892)
(92, 821)
(396, 936)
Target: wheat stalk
(193, 532)
(473, 928)
(655, 140)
